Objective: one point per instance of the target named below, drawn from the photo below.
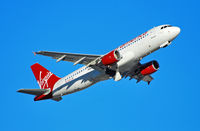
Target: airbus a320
(119, 63)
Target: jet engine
(149, 68)
(111, 58)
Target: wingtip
(34, 53)
(19, 90)
(37, 52)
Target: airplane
(119, 63)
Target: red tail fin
(45, 78)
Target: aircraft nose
(175, 31)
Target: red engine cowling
(149, 68)
(111, 58)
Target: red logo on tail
(43, 82)
(45, 78)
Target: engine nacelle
(149, 68)
(111, 58)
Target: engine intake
(149, 68)
(111, 58)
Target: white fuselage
(132, 52)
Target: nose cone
(174, 31)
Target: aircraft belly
(80, 83)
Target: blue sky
(170, 103)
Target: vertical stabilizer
(45, 78)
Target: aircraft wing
(71, 57)
(138, 76)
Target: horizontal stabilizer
(36, 92)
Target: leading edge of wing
(52, 53)
(71, 57)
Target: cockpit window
(165, 26)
